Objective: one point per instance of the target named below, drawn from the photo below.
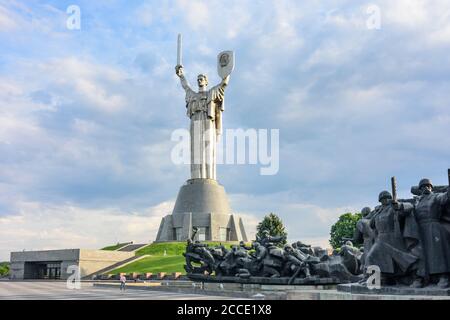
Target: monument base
(264, 280)
(202, 203)
(356, 288)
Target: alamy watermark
(374, 279)
(73, 22)
(373, 22)
(74, 280)
(234, 146)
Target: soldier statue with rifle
(396, 234)
(432, 212)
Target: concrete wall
(220, 221)
(45, 255)
(94, 260)
(165, 232)
(201, 196)
(89, 261)
(19, 258)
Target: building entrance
(42, 270)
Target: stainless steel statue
(204, 108)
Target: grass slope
(173, 248)
(157, 262)
(154, 264)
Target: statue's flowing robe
(431, 212)
(205, 109)
(396, 236)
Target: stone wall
(89, 261)
(94, 260)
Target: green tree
(275, 226)
(4, 268)
(344, 228)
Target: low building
(54, 264)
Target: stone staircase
(132, 247)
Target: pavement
(57, 290)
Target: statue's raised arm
(225, 81)
(180, 73)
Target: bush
(344, 228)
(4, 269)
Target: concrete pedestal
(202, 203)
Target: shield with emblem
(225, 63)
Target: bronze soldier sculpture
(364, 233)
(395, 234)
(434, 231)
(198, 253)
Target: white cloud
(39, 226)
(332, 53)
(305, 221)
(250, 223)
(144, 15)
(428, 21)
(7, 22)
(407, 13)
(80, 123)
(86, 81)
(196, 13)
(20, 17)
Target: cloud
(18, 18)
(86, 117)
(428, 20)
(86, 82)
(302, 219)
(39, 226)
(6, 21)
(196, 14)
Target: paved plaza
(47, 290)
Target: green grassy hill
(174, 248)
(173, 261)
(154, 264)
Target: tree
(344, 228)
(4, 268)
(275, 226)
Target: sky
(359, 92)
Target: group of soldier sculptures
(267, 257)
(408, 239)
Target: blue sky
(86, 115)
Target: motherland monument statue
(202, 202)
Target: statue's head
(349, 243)
(425, 186)
(365, 211)
(384, 197)
(202, 80)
